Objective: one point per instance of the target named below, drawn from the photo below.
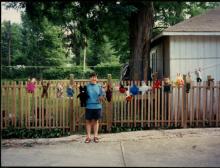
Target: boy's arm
(101, 95)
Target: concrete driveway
(161, 148)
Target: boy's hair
(92, 74)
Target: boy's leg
(88, 128)
(96, 127)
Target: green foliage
(10, 42)
(168, 14)
(117, 129)
(41, 40)
(43, 45)
(102, 70)
(21, 133)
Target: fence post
(71, 105)
(184, 111)
(109, 105)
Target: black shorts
(93, 114)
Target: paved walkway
(178, 147)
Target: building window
(154, 61)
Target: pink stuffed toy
(31, 85)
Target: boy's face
(93, 79)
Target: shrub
(12, 132)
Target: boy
(93, 108)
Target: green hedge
(21, 133)
(14, 73)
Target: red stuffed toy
(122, 89)
(156, 84)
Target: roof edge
(185, 34)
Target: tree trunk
(140, 24)
(77, 54)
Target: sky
(10, 14)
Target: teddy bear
(59, 91)
(167, 85)
(83, 95)
(45, 88)
(109, 93)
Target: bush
(15, 73)
(103, 71)
(20, 133)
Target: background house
(187, 46)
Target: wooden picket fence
(155, 109)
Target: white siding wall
(156, 54)
(188, 53)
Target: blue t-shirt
(94, 92)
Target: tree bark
(140, 24)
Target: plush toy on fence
(134, 89)
(70, 91)
(210, 79)
(167, 85)
(31, 85)
(122, 88)
(144, 88)
(109, 93)
(45, 88)
(188, 82)
(104, 89)
(128, 96)
(59, 92)
(83, 95)
(156, 82)
(198, 75)
(179, 80)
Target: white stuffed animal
(144, 88)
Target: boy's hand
(101, 99)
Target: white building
(187, 46)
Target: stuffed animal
(144, 88)
(83, 95)
(31, 85)
(188, 82)
(156, 84)
(59, 92)
(134, 90)
(209, 79)
(128, 96)
(69, 91)
(179, 80)
(198, 75)
(109, 93)
(45, 88)
(104, 89)
(156, 81)
(122, 88)
(167, 85)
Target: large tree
(140, 24)
(128, 24)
